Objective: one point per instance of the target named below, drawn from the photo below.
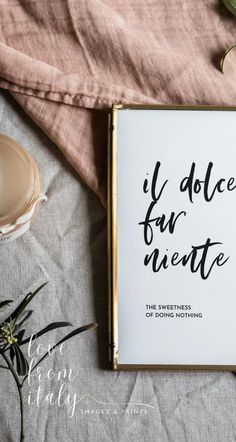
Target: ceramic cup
(19, 189)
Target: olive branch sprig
(12, 339)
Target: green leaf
(222, 61)
(47, 329)
(23, 304)
(20, 336)
(230, 5)
(12, 354)
(69, 336)
(4, 303)
(22, 365)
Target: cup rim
(34, 184)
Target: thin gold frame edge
(112, 239)
(175, 367)
(189, 106)
(112, 214)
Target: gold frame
(112, 239)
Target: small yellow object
(222, 61)
(7, 334)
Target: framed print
(172, 237)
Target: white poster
(175, 226)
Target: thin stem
(19, 388)
(22, 435)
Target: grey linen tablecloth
(67, 246)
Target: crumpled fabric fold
(66, 62)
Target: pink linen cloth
(67, 61)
